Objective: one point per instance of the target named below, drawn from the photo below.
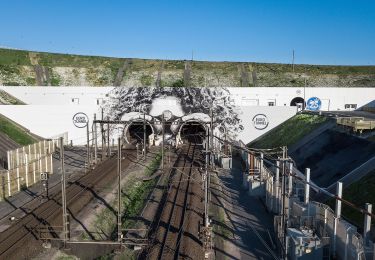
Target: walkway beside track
(246, 219)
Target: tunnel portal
(193, 132)
(135, 132)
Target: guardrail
(338, 237)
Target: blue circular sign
(313, 104)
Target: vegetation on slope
(7, 99)
(289, 132)
(15, 132)
(360, 193)
(133, 195)
(19, 67)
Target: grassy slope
(289, 132)
(132, 201)
(359, 193)
(13, 64)
(9, 99)
(14, 132)
(20, 57)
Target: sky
(339, 32)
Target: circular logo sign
(80, 120)
(260, 121)
(313, 104)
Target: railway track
(176, 232)
(21, 240)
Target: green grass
(66, 257)
(134, 200)
(359, 193)
(132, 203)
(10, 99)
(13, 62)
(289, 132)
(14, 57)
(219, 215)
(14, 132)
(133, 196)
(126, 254)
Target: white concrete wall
(49, 121)
(51, 109)
(59, 95)
(332, 98)
(275, 116)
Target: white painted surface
(275, 115)
(51, 109)
(59, 95)
(48, 121)
(332, 98)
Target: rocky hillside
(19, 67)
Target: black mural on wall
(124, 100)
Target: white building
(50, 110)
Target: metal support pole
(206, 185)
(338, 215)
(27, 169)
(103, 135)
(103, 140)
(261, 167)
(119, 233)
(290, 180)
(110, 147)
(95, 141)
(137, 146)
(108, 144)
(162, 143)
(63, 193)
(307, 186)
(144, 135)
(18, 170)
(367, 225)
(284, 221)
(8, 162)
(88, 147)
(338, 202)
(211, 137)
(277, 185)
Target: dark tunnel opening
(297, 100)
(136, 133)
(193, 132)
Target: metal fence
(339, 238)
(25, 165)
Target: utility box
(304, 244)
(256, 187)
(226, 162)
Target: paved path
(247, 219)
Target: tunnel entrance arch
(134, 132)
(192, 131)
(297, 100)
